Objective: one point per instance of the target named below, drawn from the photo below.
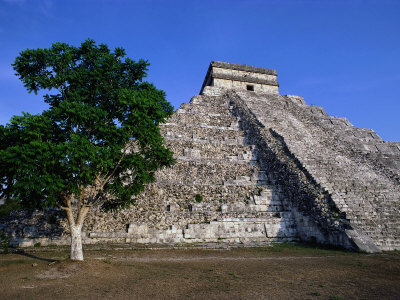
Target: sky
(343, 55)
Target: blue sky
(342, 55)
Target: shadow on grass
(23, 253)
(306, 249)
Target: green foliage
(259, 190)
(4, 242)
(198, 198)
(10, 205)
(234, 275)
(101, 128)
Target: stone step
(202, 134)
(277, 207)
(217, 102)
(232, 126)
(199, 172)
(194, 111)
(323, 147)
(193, 149)
(205, 120)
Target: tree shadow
(22, 252)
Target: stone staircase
(216, 162)
(338, 157)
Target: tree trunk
(75, 227)
(76, 242)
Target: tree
(96, 145)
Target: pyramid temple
(253, 167)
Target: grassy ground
(279, 272)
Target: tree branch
(82, 196)
(116, 166)
(68, 210)
(57, 87)
(61, 207)
(82, 214)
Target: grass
(281, 271)
(233, 275)
(5, 263)
(302, 249)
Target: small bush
(4, 242)
(37, 245)
(198, 198)
(8, 206)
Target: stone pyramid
(255, 167)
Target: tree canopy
(99, 141)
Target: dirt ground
(279, 272)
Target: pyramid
(255, 167)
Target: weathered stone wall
(215, 161)
(252, 168)
(342, 160)
(241, 77)
(242, 85)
